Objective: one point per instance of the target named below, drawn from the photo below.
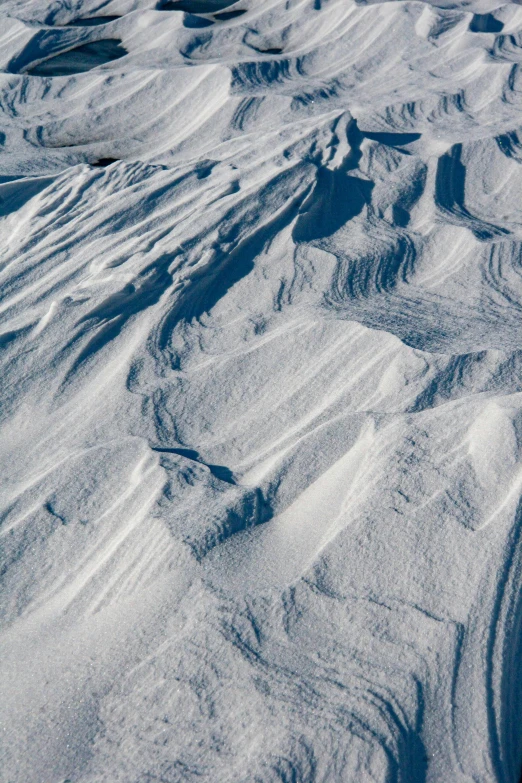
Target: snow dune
(261, 423)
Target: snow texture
(261, 423)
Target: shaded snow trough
(485, 23)
(82, 58)
(197, 6)
(92, 21)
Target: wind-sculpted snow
(261, 301)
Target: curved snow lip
(17, 191)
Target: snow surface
(261, 424)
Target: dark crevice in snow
(226, 15)
(196, 6)
(392, 139)
(81, 59)
(102, 162)
(272, 50)
(485, 23)
(219, 471)
(92, 21)
(196, 22)
(50, 510)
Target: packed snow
(261, 421)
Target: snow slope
(261, 422)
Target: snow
(261, 422)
